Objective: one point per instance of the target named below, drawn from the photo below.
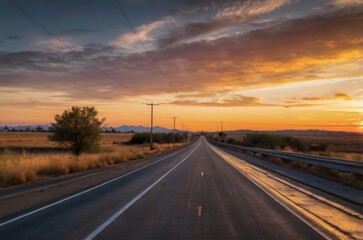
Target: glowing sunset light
(262, 65)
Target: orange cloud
(232, 101)
(283, 53)
(236, 100)
(337, 96)
(205, 73)
(343, 96)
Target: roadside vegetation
(30, 156)
(77, 129)
(36, 141)
(342, 155)
(349, 148)
(74, 143)
(144, 138)
(271, 141)
(20, 167)
(297, 144)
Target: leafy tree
(78, 129)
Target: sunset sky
(261, 65)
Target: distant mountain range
(127, 128)
(25, 128)
(123, 128)
(311, 132)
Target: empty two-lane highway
(193, 194)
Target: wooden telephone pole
(174, 129)
(152, 123)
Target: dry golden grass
(109, 138)
(25, 140)
(337, 144)
(342, 155)
(40, 139)
(17, 168)
(345, 147)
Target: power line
(143, 45)
(330, 20)
(124, 106)
(129, 108)
(63, 43)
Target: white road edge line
(59, 183)
(62, 182)
(85, 191)
(268, 193)
(129, 204)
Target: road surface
(193, 194)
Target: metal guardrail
(326, 162)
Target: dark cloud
(268, 56)
(209, 3)
(78, 31)
(282, 42)
(189, 8)
(51, 61)
(226, 17)
(31, 60)
(16, 37)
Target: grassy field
(352, 144)
(345, 147)
(18, 167)
(40, 139)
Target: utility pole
(152, 123)
(221, 126)
(174, 129)
(184, 133)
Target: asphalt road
(193, 194)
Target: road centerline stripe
(135, 199)
(199, 211)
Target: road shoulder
(35, 193)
